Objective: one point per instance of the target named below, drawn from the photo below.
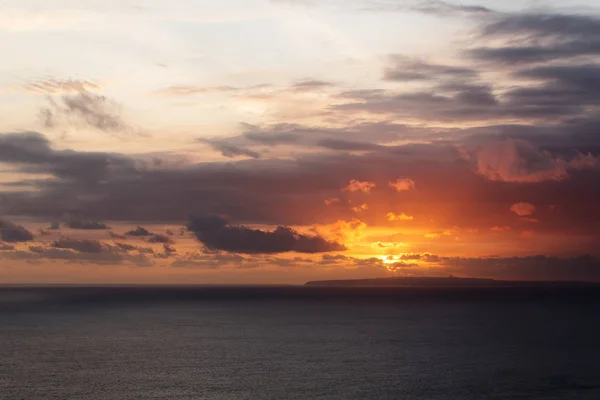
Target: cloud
(6, 247)
(402, 184)
(79, 251)
(347, 145)
(433, 7)
(288, 192)
(443, 8)
(542, 37)
(399, 217)
(139, 232)
(403, 68)
(215, 233)
(85, 109)
(80, 245)
(86, 225)
(361, 208)
(13, 233)
(516, 160)
(208, 260)
(228, 150)
(52, 86)
(358, 186)
(187, 90)
(32, 152)
(117, 236)
(126, 247)
(311, 85)
(158, 238)
(523, 209)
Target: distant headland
(440, 281)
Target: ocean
(289, 342)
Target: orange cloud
(399, 217)
(361, 208)
(523, 209)
(330, 202)
(358, 186)
(347, 232)
(402, 185)
(432, 235)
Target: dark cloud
(125, 246)
(229, 150)
(32, 152)
(86, 225)
(158, 238)
(539, 37)
(466, 102)
(87, 109)
(139, 232)
(54, 226)
(215, 233)
(80, 245)
(13, 233)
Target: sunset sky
(280, 141)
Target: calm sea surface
(299, 343)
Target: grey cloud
(86, 225)
(85, 108)
(402, 68)
(13, 233)
(32, 152)
(215, 233)
(542, 37)
(229, 150)
(309, 85)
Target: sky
(281, 141)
